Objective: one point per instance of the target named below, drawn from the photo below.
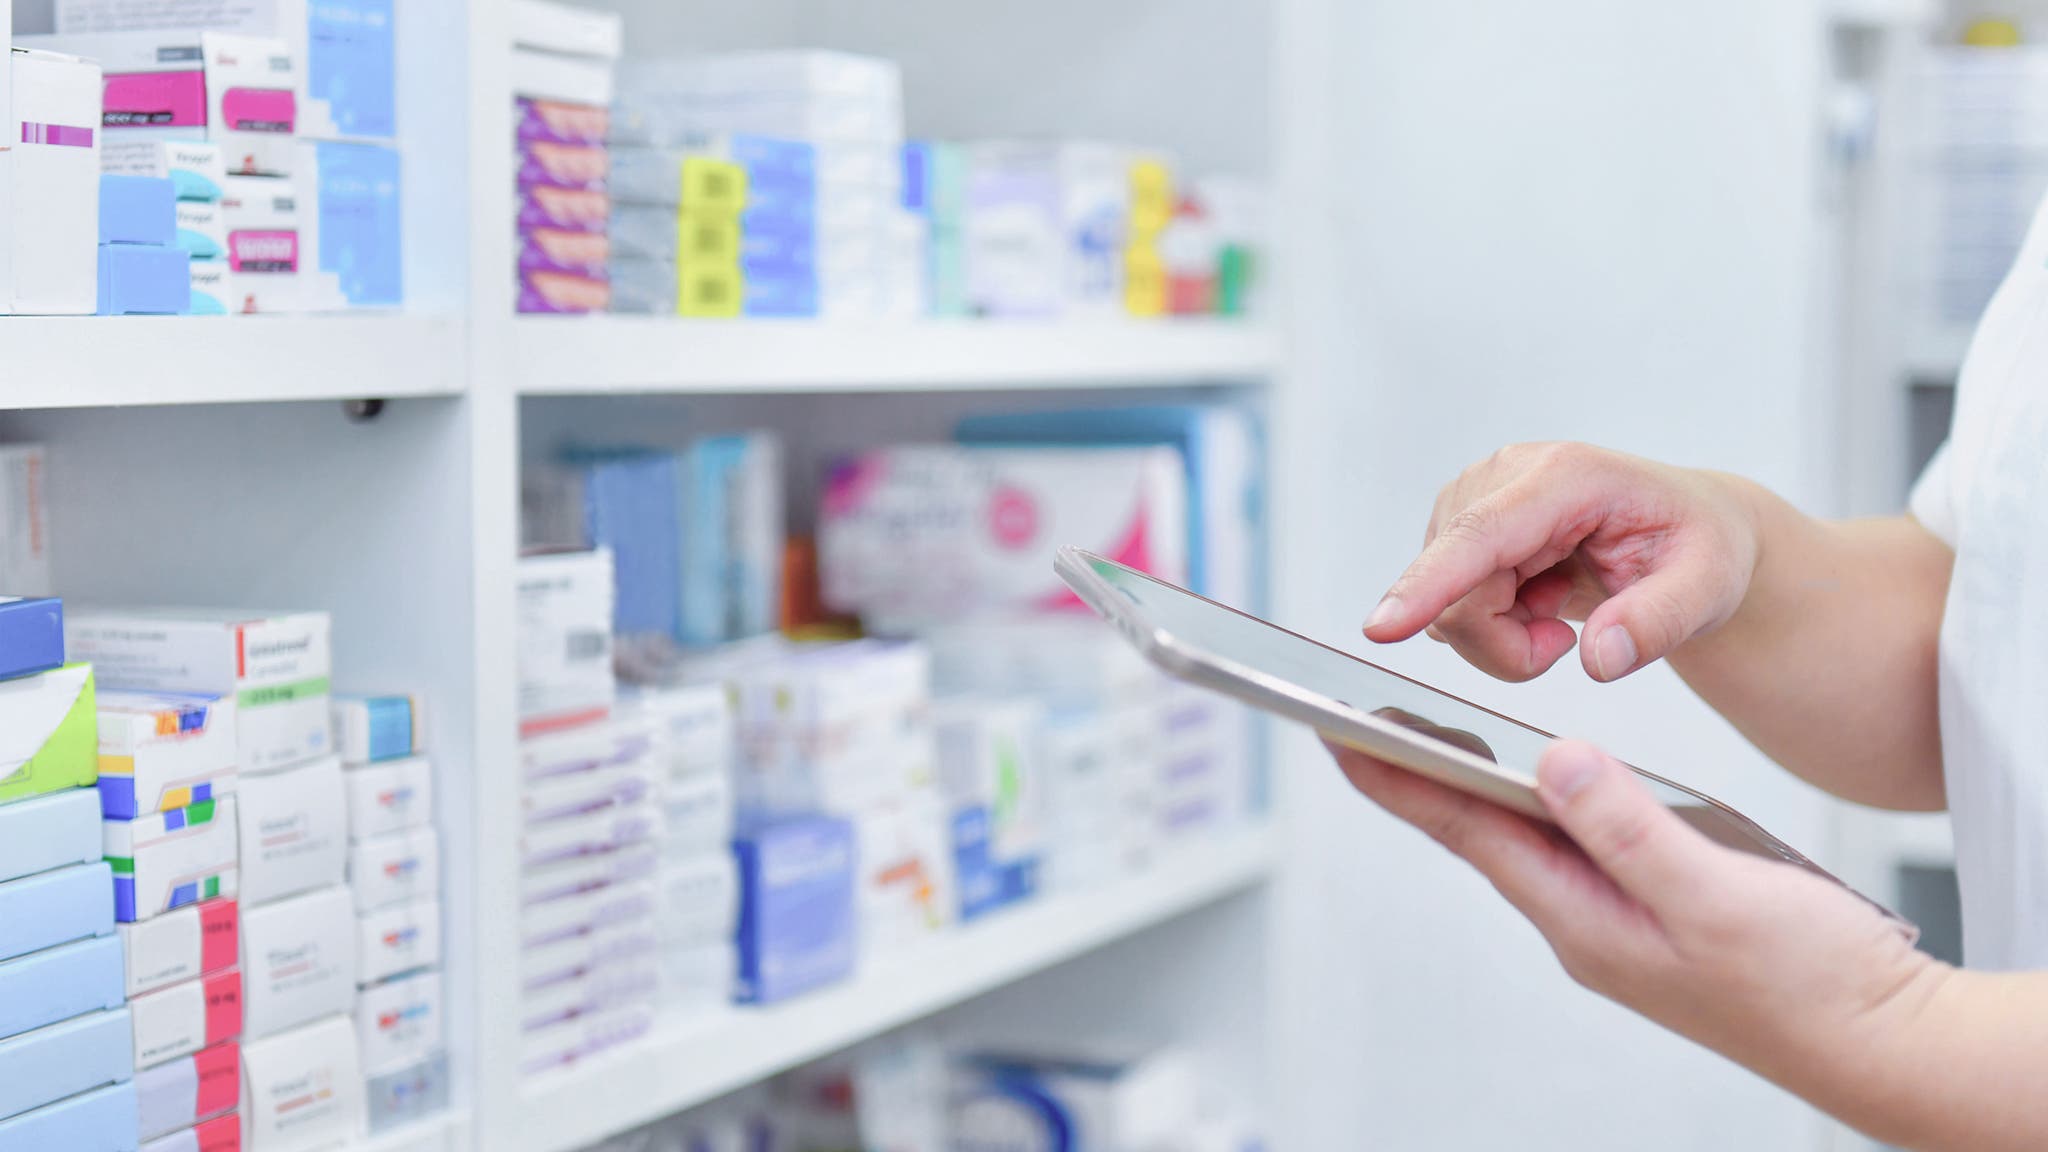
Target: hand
(1647, 555)
(1788, 974)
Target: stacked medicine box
(680, 240)
(289, 89)
(935, 191)
(394, 872)
(591, 778)
(143, 269)
(562, 62)
(1046, 228)
(66, 1045)
(1151, 211)
(49, 184)
(302, 945)
(196, 174)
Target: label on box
(252, 102)
(24, 520)
(298, 960)
(304, 1088)
(182, 1019)
(560, 122)
(408, 1094)
(293, 835)
(193, 166)
(47, 742)
(166, 860)
(158, 752)
(396, 868)
(389, 797)
(372, 729)
(209, 288)
(395, 940)
(399, 1022)
(192, 941)
(220, 1134)
(565, 640)
(180, 1093)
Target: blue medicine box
(138, 209)
(791, 294)
(351, 67)
(144, 280)
(797, 927)
(58, 983)
(31, 636)
(987, 884)
(78, 1055)
(52, 908)
(102, 1120)
(360, 222)
(49, 831)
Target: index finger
(1525, 524)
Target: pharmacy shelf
(613, 354)
(690, 1063)
(445, 1133)
(96, 362)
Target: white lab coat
(1986, 493)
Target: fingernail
(1389, 608)
(1569, 769)
(1614, 654)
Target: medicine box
(371, 729)
(180, 1093)
(50, 831)
(294, 831)
(165, 860)
(102, 1120)
(251, 102)
(1104, 1099)
(697, 815)
(407, 1095)
(560, 122)
(700, 901)
(220, 1134)
(64, 1059)
(159, 751)
(59, 983)
(182, 1019)
(389, 796)
(395, 868)
(565, 640)
(352, 231)
(797, 918)
(137, 209)
(906, 888)
(298, 961)
(54, 132)
(24, 521)
(551, 921)
(275, 667)
(987, 751)
(193, 167)
(547, 76)
(588, 873)
(31, 635)
(563, 293)
(572, 956)
(581, 1037)
(209, 280)
(57, 907)
(46, 733)
(605, 830)
(733, 537)
(143, 280)
(302, 1089)
(601, 989)
(266, 253)
(202, 229)
(399, 939)
(399, 1022)
(607, 786)
(193, 941)
(567, 29)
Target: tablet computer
(1363, 706)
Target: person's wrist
(1890, 1081)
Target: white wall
(1585, 219)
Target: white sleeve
(1933, 502)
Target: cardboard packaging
(184, 1018)
(409, 1094)
(24, 521)
(544, 924)
(166, 860)
(266, 254)
(251, 102)
(58, 983)
(57, 907)
(396, 868)
(699, 979)
(372, 729)
(697, 816)
(389, 796)
(143, 280)
(275, 667)
(581, 1037)
(202, 229)
(302, 1090)
(52, 170)
(46, 832)
(160, 751)
(906, 888)
(194, 167)
(181, 1093)
(797, 917)
(567, 29)
(298, 961)
(64, 1059)
(608, 988)
(572, 80)
(209, 279)
(560, 122)
(352, 229)
(588, 873)
(399, 1022)
(46, 733)
(101, 1118)
(1106, 1100)
(220, 1134)
(700, 901)
(565, 640)
(137, 209)
(574, 956)
(294, 831)
(929, 535)
(390, 941)
(193, 941)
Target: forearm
(1829, 666)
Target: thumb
(1639, 843)
(1642, 623)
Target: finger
(1547, 594)
(1649, 852)
(1495, 631)
(1545, 877)
(1644, 622)
(1526, 523)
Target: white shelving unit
(205, 461)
